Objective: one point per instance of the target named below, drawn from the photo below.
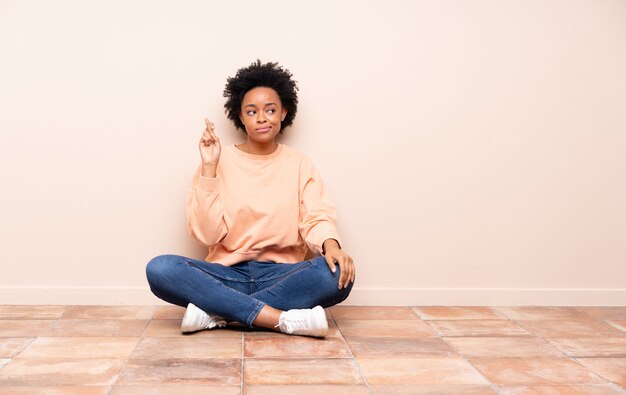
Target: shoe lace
(293, 324)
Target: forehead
(260, 95)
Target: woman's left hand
(334, 255)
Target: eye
(250, 112)
(271, 110)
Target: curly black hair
(269, 75)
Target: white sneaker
(197, 320)
(306, 322)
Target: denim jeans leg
(302, 285)
(214, 288)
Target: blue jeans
(239, 292)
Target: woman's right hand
(210, 149)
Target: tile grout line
(140, 338)
(243, 340)
(606, 380)
(459, 354)
(563, 352)
(367, 384)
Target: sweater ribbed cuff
(208, 184)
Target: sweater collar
(274, 154)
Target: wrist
(209, 170)
(330, 245)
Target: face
(261, 114)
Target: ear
(241, 116)
(283, 114)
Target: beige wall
(476, 150)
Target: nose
(261, 117)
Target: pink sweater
(261, 207)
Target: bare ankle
(268, 317)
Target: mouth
(263, 130)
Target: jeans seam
(258, 304)
(303, 264)
(255, 312)
(308, 265)
(196, 266)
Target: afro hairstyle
(269, 75)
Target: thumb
(331, 264)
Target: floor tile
(80, 347)
(176, 389)
(171, 328)
(605, 389)
(60, 372)
(430, 370)
(618, 324)
(457, 313)
(613, 369)
(188, 347)
(216, 371)
(140, 349)
(477, 328)
(111, 312)
(540, 313)
(538, 370)
(571, 328)
(304, 389)
(503, 347)
(333, 331)
(384, 328)
(591, 346)
(96, 328)
(11, 346)
(295, 347)
(48, 390)
(399, 347)
(417, 389)
(34, 312)
(373, 313)
(605, 312)
(301, 371)
(24, 328)
(169, 313)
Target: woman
(258, 207)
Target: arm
(317, 225)
(317, 211)
(205, 214)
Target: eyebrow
(266, 104)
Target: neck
(256, 148)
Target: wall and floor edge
(359, 296)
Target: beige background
(476, 150)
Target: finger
(353, 270)
(215, 139)
(349, 269)
(343, 276)
(331, 264)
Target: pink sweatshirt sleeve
(205, 214)
(317, 211)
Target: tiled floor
(369, 350)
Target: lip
(264, 130)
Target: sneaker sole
(320, 317)
(188, 325)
